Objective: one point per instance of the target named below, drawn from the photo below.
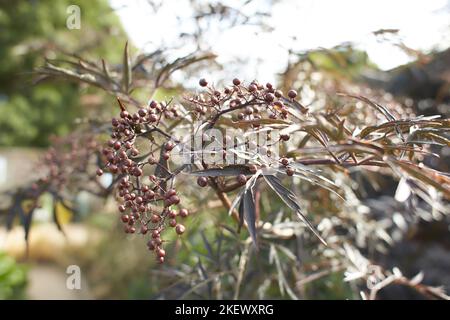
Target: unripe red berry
(155, 234)
(150, 194)
(284, 161)
(292, 94)
(151, 245)
(99, 172)
(117, 145)
(169, 145)
(171, 214)
(253, 168)
(152, 118)
(269, 97)
(172, 223)
(170, 192)
(134, 151)
(122, 208)
(202, 181)
(290, 172)
(144, 229)
(122, 155)
(142, 112)
(174, 199)
(180, 229)
(184, 213)
(153, 104)
(241, 179)
(155, 218)
(125, 218)
(203, 82)
(161, 253)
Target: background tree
(31, 32)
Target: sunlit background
(296, 25)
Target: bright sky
(314, 23)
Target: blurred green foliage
(32, 31)
(13, 278)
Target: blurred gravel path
(48, 281)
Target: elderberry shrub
(251, 105)
(146, 204)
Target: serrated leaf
(291, 201)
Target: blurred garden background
(398, 53)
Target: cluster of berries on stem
(147, 204)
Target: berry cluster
(253, 104)
(250, 100)
(147, 204)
